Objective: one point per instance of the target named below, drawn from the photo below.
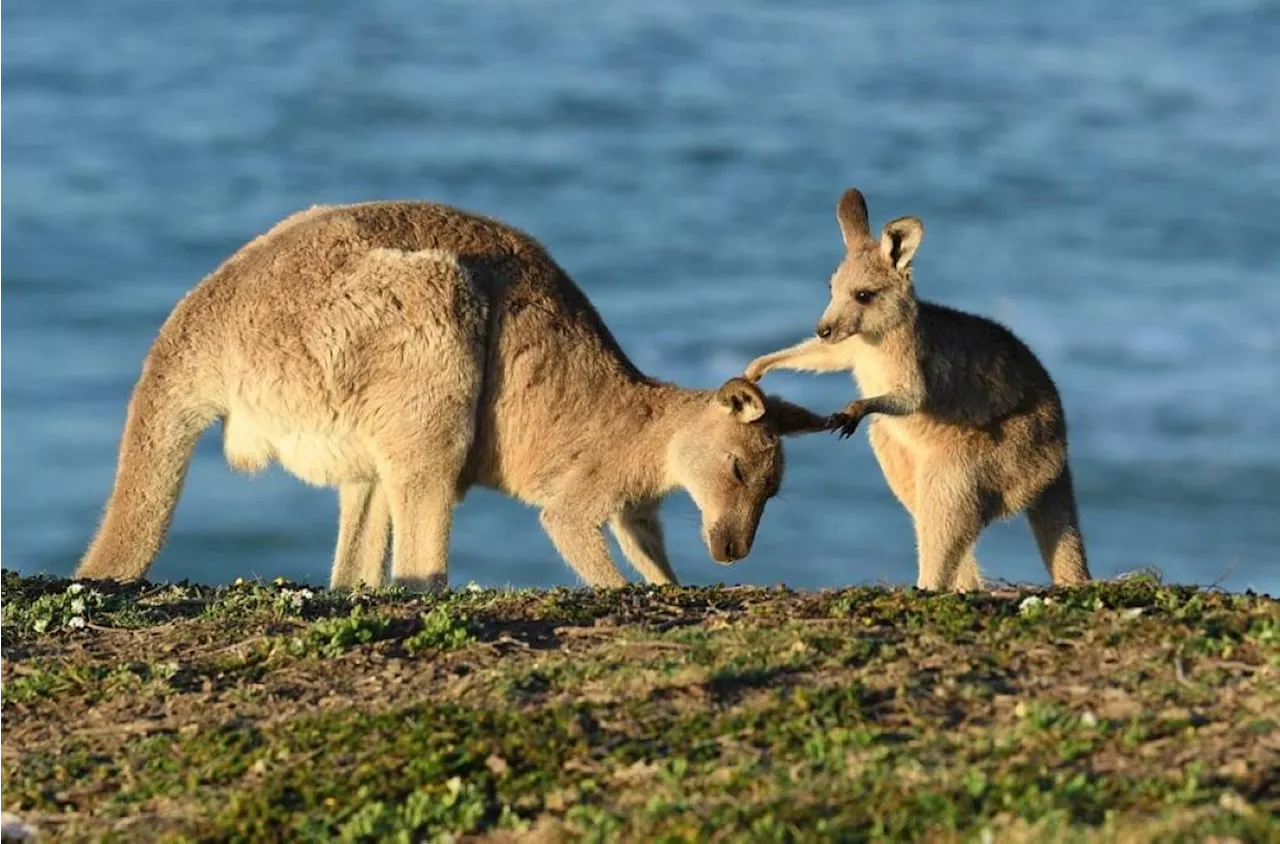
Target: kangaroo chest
(876, 371)
(879, 371)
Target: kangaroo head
(871, 291)
(729, 458)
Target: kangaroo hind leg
(422, 504)
(900, 470)
(419, 408)
(949, 519)
(364, 526)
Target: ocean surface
(1102, 177)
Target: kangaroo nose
(729, 550)
(824, 330)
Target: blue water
(1103, 177)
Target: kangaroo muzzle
(728, 546)
(833, 328)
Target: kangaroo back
(166, 416)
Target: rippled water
(1102, 177)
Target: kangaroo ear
(741, 399)
(792, 419)
(852, 214)
(900, 239)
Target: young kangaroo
(969, 425)
(406, 351)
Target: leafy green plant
(441, 631)
(334, 636)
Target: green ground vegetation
(1120, 711)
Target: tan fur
(969, 426)
(407, 351)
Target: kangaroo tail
(165, 419)
(1056, 525)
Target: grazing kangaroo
(406, 351)
(969, 425)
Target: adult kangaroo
(407, 351)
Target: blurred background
(1102, 177)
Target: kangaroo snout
(835, 330)
(837, 323)
(726, 546)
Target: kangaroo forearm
(638, 529)
(888, 404)
(581, 543)
(799, 420)
(811, 355)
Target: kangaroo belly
(319, 455)
(906, 433)
(926, 438)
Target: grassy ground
(1126, 711)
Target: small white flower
(1088, 719)
(1030, 604)
(76, 623)
(77, 606)
(75, 588)
(474, 587)
(1234, 803)
(1133, 612)
(41, 625)
(305, 594)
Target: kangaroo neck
(635, 422)
(889, 361)
(898, 341)
(662, 412)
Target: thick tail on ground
(163, 424)
(1056, 525)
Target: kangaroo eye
(865, 297)
(737, 471)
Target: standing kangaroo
(406, 351)
(969, 425)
